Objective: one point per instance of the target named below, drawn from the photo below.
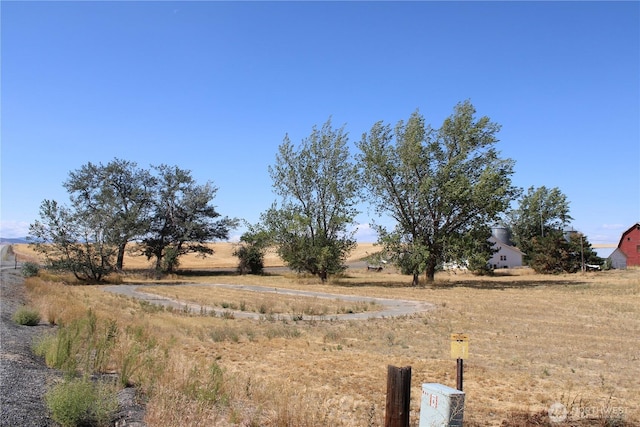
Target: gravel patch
(23, 376)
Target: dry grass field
(534, 340)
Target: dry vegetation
(534, 340)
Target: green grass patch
(26, 316)
(81, 402)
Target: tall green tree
(541, 212)
(562, 252)
(183, 219)
(120, 193)
(319, 189)
(439, 185)
(475, 249)
(73, 242)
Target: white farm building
(507, 256)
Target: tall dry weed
(54, 300)
(187, 393)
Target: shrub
(252, 249)
(26, 316)
(79, 402)
(30, 269)
(251, 259)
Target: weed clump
(81, 402)
(26, 316)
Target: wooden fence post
(398, 396)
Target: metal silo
(502, 234)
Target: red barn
(630, 245)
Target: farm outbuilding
(618, 259)
(629, 246)
(507, 256)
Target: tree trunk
(416, 280)
(120, 260)
(158, 266)
(430, 274)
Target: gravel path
(23, 376)
(390, 307)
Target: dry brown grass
(534, 340)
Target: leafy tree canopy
(318, 186)
(111, 205)
(119, 192)
(182, 219)
(438, 184)
(540, 212)
(559, 252)
(73, 242)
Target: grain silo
(501, 234)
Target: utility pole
(541, 221)
(582, 251)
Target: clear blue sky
(213, 87)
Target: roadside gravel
(23, 376)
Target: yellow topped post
(459, 351)
(459, 346)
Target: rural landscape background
(535, 340)
(217, 88)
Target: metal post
(459, 374)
